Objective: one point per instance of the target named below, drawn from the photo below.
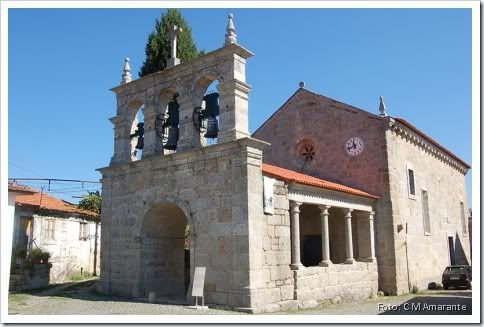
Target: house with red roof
(69, 233)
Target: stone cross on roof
(126, 77)
(174, 32)
(230, 37)
(383, 108)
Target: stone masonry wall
(271, 277)
(210, 185)
(428, 255)
(328, 124)
(336, 283)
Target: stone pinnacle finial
(302, 84)
(174, 32)
(230, 37)
(126, 77)
(383, 108)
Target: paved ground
(81, 298)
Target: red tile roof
(47, 202)
(292, 176)
(431, 140)
(14, 187)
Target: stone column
(122, 143)
(366, 237)
(188, 135)
(349, 238)
(326, 260)
(295, 241)
(149, 112)
(234, 109)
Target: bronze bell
(172, 138)
(139, 133)
(212, 128)
(140, 143)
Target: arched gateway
(164, 253)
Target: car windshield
(455, 270)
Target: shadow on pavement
(446, 303)
(86, 291)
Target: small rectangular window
(49, 231)
(411, 182)
(425, 212)
(463, 219)
(83, 231)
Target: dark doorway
(311, 250)
(25, 233)
(163, 258)
(451, 251)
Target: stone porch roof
(292, 176)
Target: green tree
(91, 202)
(158, 45)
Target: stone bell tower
(190, 80)
(149, 199)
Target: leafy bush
(19, 252)
(40, 254)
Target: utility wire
(29, 171)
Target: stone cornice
(177, 157)
(426, 145)
(183, 68)
(313, 195)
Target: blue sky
(62, 63)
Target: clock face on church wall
(354, 146)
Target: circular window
(306, 150)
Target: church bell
(139, 133)
(212, 110)
(172, 138)
(212, 128)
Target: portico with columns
(330, 231)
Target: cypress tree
(158, 45)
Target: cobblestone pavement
(423, 303)
(82, 299)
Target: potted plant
(36, 255)
(45, 257)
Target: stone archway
(162, 254)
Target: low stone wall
(37, 277)
(337, 283)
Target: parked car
(457, 276)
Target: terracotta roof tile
(45, 201)
(431, 140)
(14, 187)
(292, 176)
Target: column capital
(348, 212)
(295, 206)
(324, 209)
(366, 215)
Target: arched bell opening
(165, 254)
(207, 111)
(167, 122)
(136, 131)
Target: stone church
(324, 202)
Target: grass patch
(78, 277)
(17, 299)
